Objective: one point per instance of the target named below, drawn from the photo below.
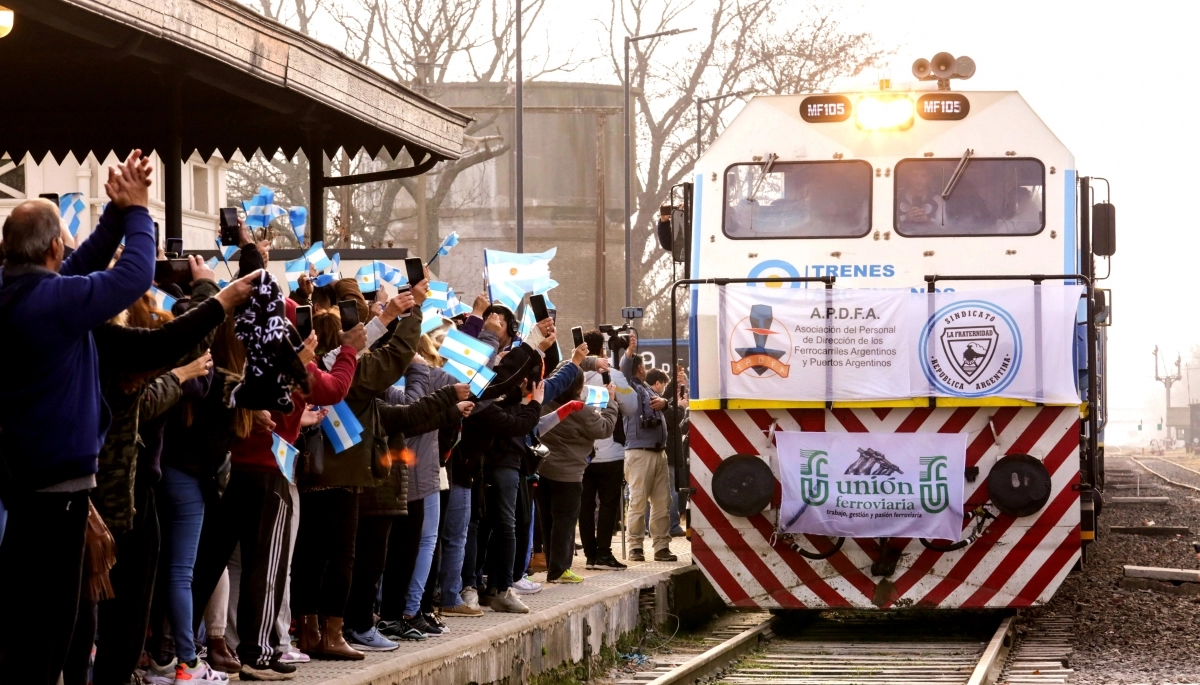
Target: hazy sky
(1110, 80)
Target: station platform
(499, 646)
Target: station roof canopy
(85, 76)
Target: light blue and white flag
(227, 251)
(71, 208)
(293, 270)
(596, 397)
(478, 379)
(317, 257)
(454, 307)
(261, 209)
(221, 283)
(512, 275)
(527, 322)
(164, 301)
(367, 281)
(439, 294)
(327, 279)
(386, 273)
(298, 218)
(444, 249)
(401, 384)
(212, 262)
(285, 456)
(431, 317)
(342, 427)
(472, 353)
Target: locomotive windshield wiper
(766, 170)
(958, 172)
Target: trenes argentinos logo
(971, 349)
(761, 358)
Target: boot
(310, 635)
(333, 645)
(220, 658)
(537, 562)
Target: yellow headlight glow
(6, 21)
(884, 113)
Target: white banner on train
(865, 485)
(797, 344)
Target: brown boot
(333, 645)
(537, 562)
(220, 658)
(310, 635)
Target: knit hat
(273, 369)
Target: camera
(618, 336)
(649, 421)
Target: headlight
(884, 113)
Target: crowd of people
(152, 528)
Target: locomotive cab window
(798, 200)
(990, 197)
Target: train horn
(964, 67)
(942, 65)
(920, 69)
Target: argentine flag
(527, 322)
(431, 318)
(389, 274)
(293, 270)
(444, 249)
(285, 456)
(298, 218)
(227, 251)
(165, 302)
(478, 379)
(317, 257)
(342, 427)
(401, 384)
(472, 353)
(439, 294)
(512, 275)
(596, 397)
(212, 262)
(71, 208)
(367, 282)
(261, 209)
(327, 279)
(454, 307)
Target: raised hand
(128, 183)
(200, 269)
(238, 292)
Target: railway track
(1165, 469)
(848, 648)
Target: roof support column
(172, 159)
(314, 150)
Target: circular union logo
(970, 349)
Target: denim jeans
(182, 518)
(501, 496)
(454, 542)
(429, 532)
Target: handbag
(101, 556)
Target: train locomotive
(912, 197)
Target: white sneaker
(508, 602)
(470, 597)
(293, 656)
(525, 586)
(200, 674)
(161, 675)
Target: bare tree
(743, 45)
(302, 14)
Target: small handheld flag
(462, 348)
(298, 217)
(165, 302)
(444, 249)
(342, 427)
(261, 209)
(71, 208)
(400, 384)
(596, 397)
(439, 294)
(317, 257)
(389, 274)
(512, 275)
(293, 270)
(478, 379)
(285, 456)
(367, 282)
(454, 307)
(226, 252)
(212, 263)
(431, 318)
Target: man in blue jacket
(52, 416)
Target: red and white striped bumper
(1016, 562)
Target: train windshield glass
(798, 200)
(991, 197)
